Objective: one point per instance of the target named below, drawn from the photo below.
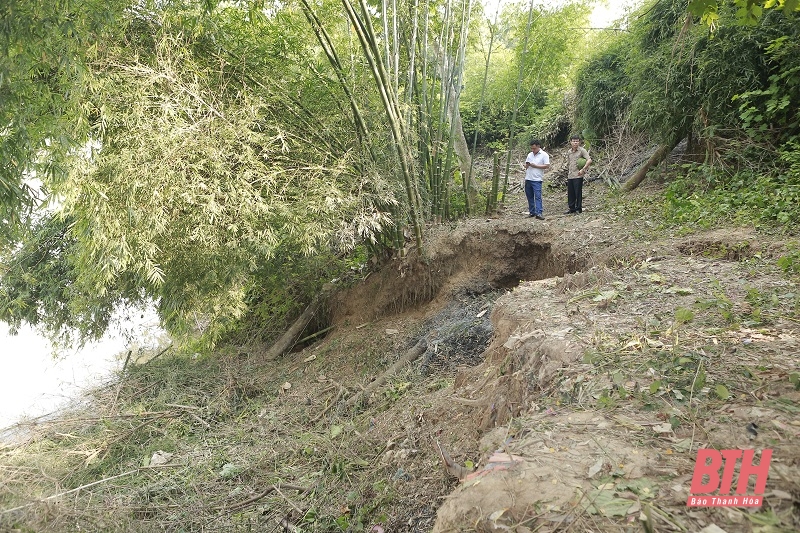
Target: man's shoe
(531, 215)
(570, 212)
(539, 217)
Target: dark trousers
(575, 194)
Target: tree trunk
(289, 338)
(657, 157)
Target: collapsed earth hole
(460, 263)
(458, 284)
(463, 269)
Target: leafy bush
(669, 76)
(602, 91)
(548, 57)
(790, 263)
(706, 195)
(771, 111)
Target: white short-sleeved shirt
(536, 174)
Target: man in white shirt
(535, 164)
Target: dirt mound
(538, 471)
(663, 351)
(612, 361)
(725, 244)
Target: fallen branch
(290, 502)
(86, 486)
(659, 155)
(314, 335)
(253, 499)
(333, 402)
(410, 356)
(468, 402)
(289, 338)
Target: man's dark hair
(536, 142)
(578, 137)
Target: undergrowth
(189, 442)
(737, 192)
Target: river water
(35, 381)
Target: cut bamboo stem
(289, 338)
(409, 357)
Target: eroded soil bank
(612, 361)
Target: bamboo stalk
(511, 131)
(366, 35)
(327, 45)
(489, 201)
(396, 48)
(412, 50)
(385, 21)
(314, 335)
(456, 127)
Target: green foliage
(281, 288)
(669, 76)
(553, 54)
(45, 48)
(197, 177)
(771, 113)
(37, 287)
(748, 12)
(790, 263)
(704, 196)
(683, 315)
(602, 90)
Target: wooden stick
(468, 402)
(328, 408)
(410, 356)
(317, 334)
(289, 338)
(159, 354)
(260, 495)
(124, 366)
(290, 502)
(86, 486)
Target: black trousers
(575, 194)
